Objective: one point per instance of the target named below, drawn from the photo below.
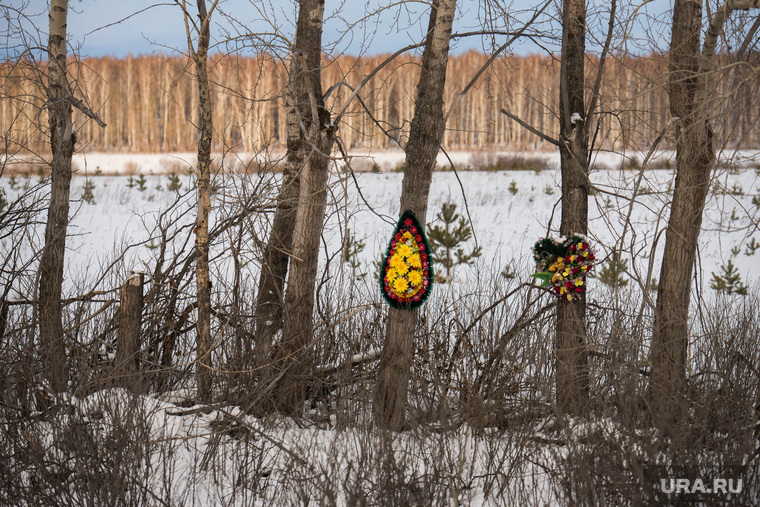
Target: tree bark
(274, 270)
(53, 349)
(274, 263)
(695, 156)
(313, 146)
(571, 358)
(425, 136)
(127, 363)
(203, 279)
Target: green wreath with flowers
(563, 264)
(407, 272)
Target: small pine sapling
(729, 281)
(752, 246)
(87, 195)
(215, 187)
(513, 187)
(633, 164)
(612, 272)
(352, 247)
(174, 185)
(446, 240)
(508, 273)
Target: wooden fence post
(127, 361)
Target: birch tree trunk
(425, 135)
(52, 344)
(571, 360)
(311, 148)
(203, 280)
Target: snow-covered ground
(221, 456)
(200, 456)
(508, 210)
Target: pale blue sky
(161, 24)
(120, 27)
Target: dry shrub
(174, 166)
(19, 168)
(362, 164)
(259, 163)
(618, 456)
(250, 165)
(130, 168)
(493, 161)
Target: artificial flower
(407, 273)
(564, 263)
(415, 277)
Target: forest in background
(150, 103)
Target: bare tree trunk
(313, 147)
(274, 270)
(425, 135)
(571, 358)
(62, 140)
(694, 159)
(274, 263)
(203, 280)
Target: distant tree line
(151, 102)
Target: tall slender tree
(571, 360)
(689, 92)
(425, 136)
(311, 136)
(62, 146)
(199, 55)
(276, 257)
(60, 99)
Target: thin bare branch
(531, 128)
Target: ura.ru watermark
(716, 486)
